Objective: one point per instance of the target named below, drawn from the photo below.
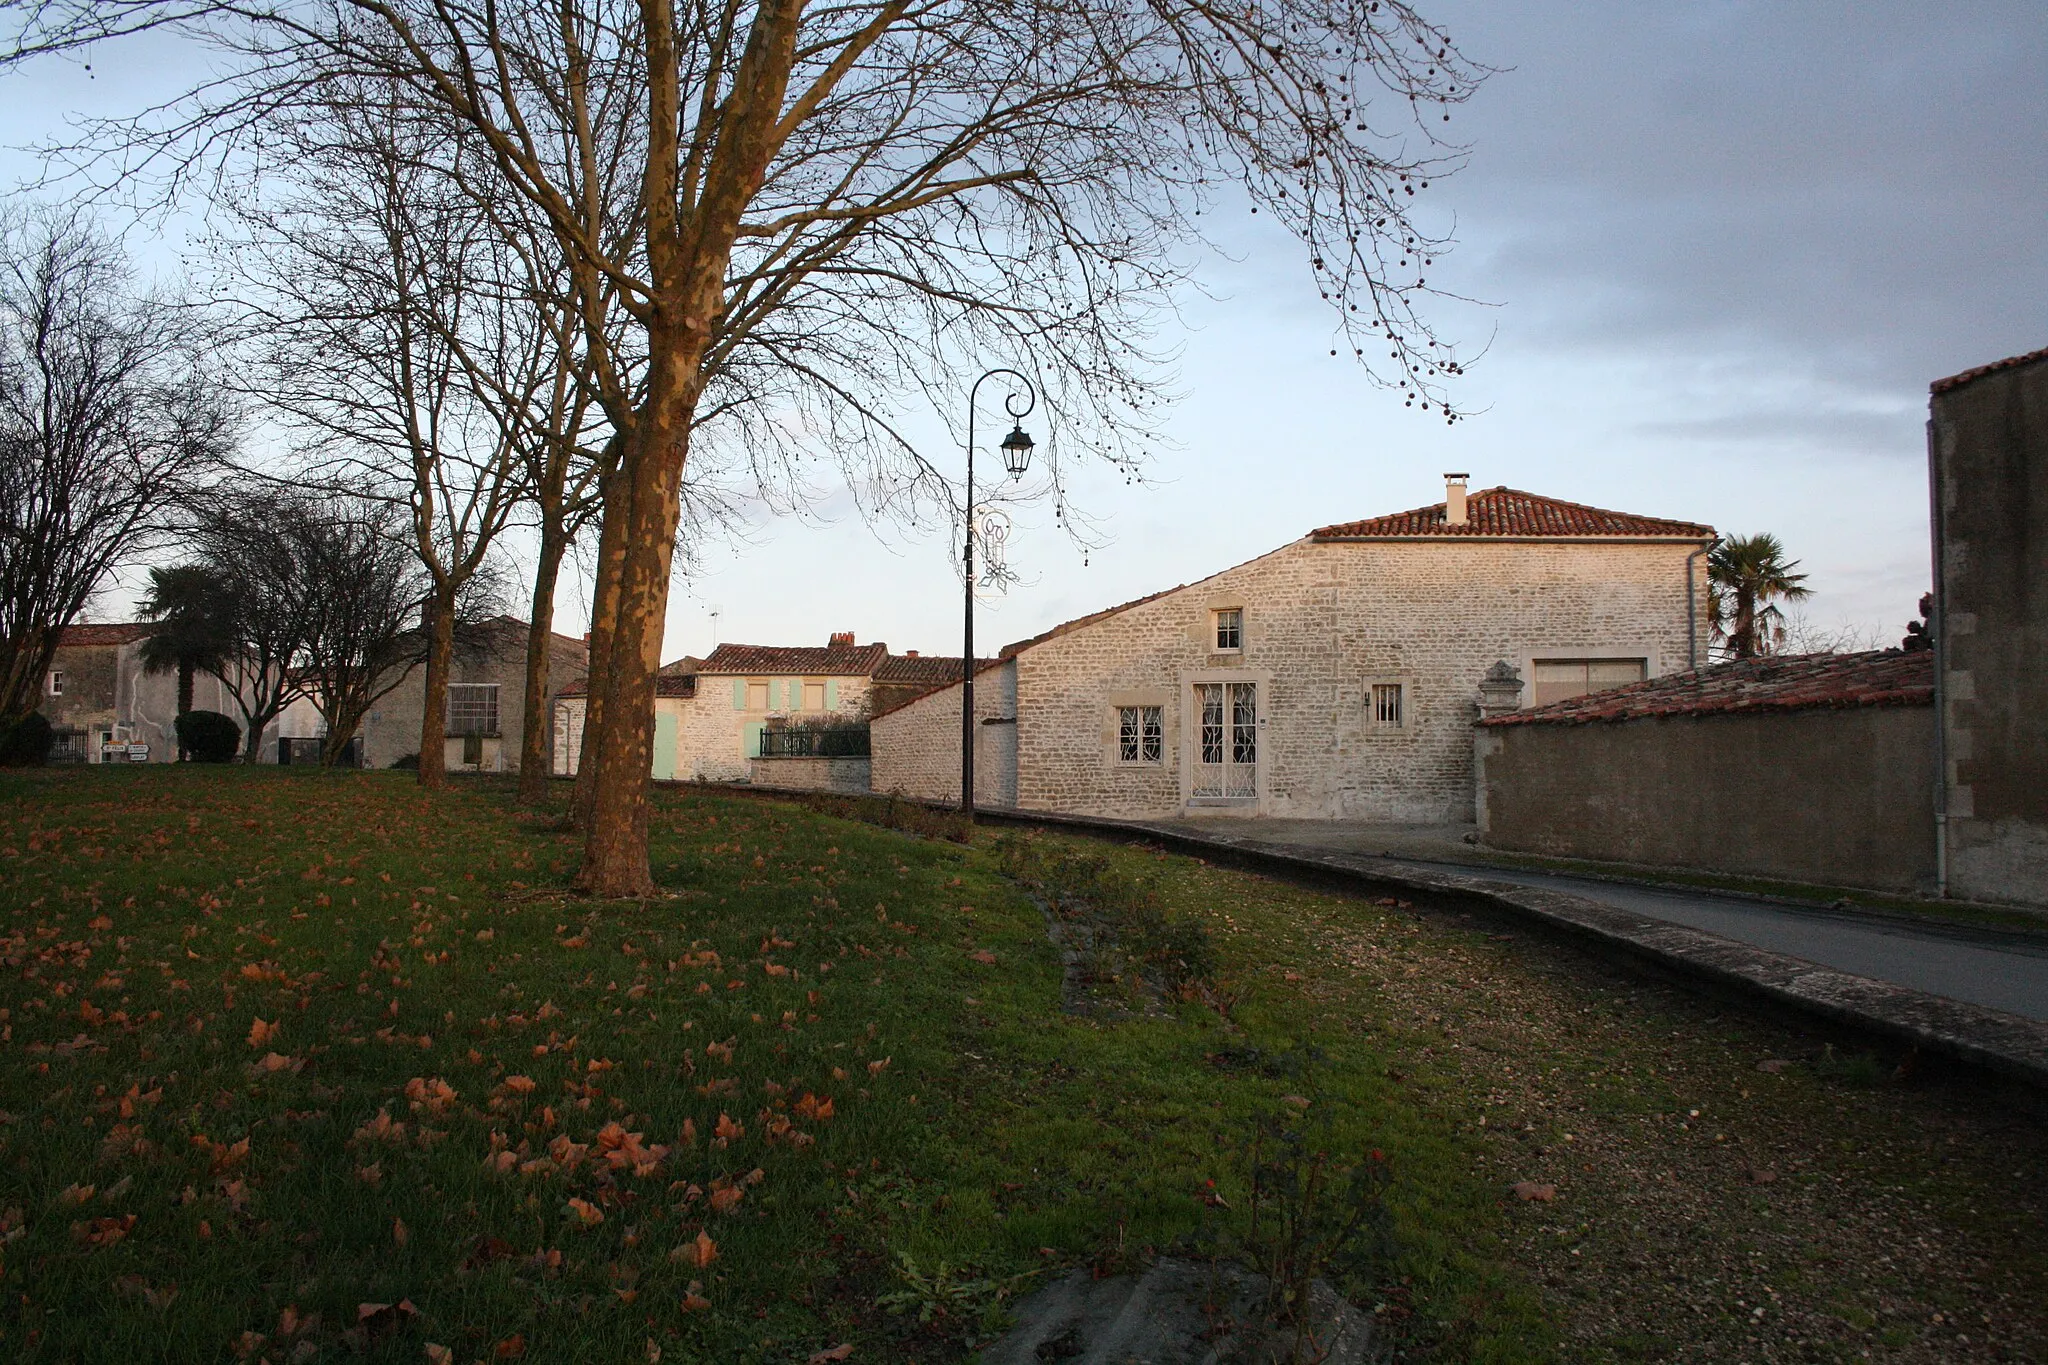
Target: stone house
(1988, 462)
(486, 699)
(1811, 768)
(105, 708)
(1333, 678)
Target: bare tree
(391, 334)
(931, 181)
(363, 588)
(107, 428)
(250, 541)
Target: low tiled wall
(811, 774)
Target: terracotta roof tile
(981, 666)
(929, 670)
(1793, 682)
(109, 633)
(2012, 362)
(834, 660)
(1510, 512)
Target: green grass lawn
(283, 1047)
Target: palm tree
(193, 609)
(1746, 576)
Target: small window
(56, 682)
(1141, 734)
(472, 709)
(1389, 705)
(757, 695)
(814, 696)
(1230, 629)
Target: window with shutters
(757, 695)
(1563, 679)
(1141, 734)
(814, 695)
(472, 709)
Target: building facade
(105, 708)
(1988, 457)
(485, 714)
(1333, 678)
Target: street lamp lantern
(1017, 456)
(1017, 451)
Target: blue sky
(1723, 249)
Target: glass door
(1226, 740)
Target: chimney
(840, 639)
(910, 654)
(1454, 499)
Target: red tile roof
(111, 633)
(843, 661)
(677, 679)
(925, 670)
(1513, 514)
(981, 666)
(1792, 682)
(2013, 362)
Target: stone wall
(917, 746)
(848, 775)
(1838, 797)
(1322, 624)
(1989, 450)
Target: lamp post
(1017, 458)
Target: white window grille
(1227, 740)
(1141, 734)
(1230, 629)
(472, 709)
(56, 682)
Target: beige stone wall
(711, 738)
(917, 747)
(847, 775)
(1322, 622)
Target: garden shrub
(209, 736)
(27, 743)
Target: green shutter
(751, 744)
(831, 694)
(739, 694)
(664, 745)
(793, 694)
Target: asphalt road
(1984, 967)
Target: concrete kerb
(2007, 1045)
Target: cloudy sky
(1723, 248)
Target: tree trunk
(536, 722)
(615, 842)
(433, 773)
(604, 610)
(185, 672)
